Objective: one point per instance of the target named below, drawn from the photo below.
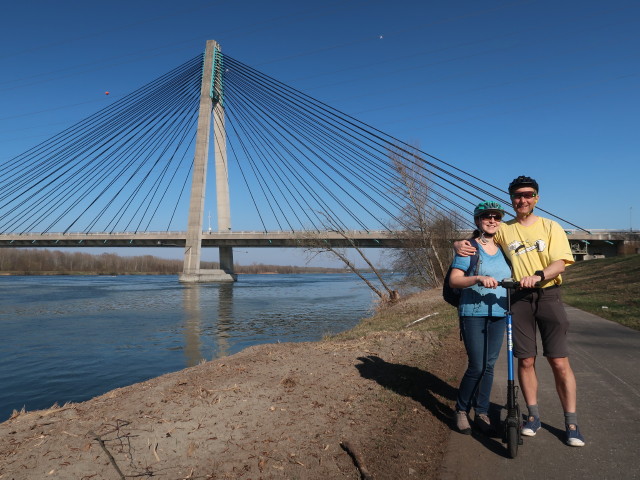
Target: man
(539, 251)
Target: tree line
(33, 261)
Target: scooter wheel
(513, 440)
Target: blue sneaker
(531, 426)
(574, 438)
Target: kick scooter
(511, 434)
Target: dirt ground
(379, 406)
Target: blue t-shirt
(476, 300)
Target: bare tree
(315, 245)
(425, 228)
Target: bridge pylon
(211, 108)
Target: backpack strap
(474, 267)
(474, 261)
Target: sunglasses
(489, 216)
(527, 195)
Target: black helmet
(523, 181)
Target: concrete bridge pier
(226, 259)
(223, 274)
(211, 106)
(629, 246)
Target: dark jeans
(483, 340)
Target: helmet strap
(484, 237)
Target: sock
(533, 411)
(570, 418)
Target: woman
(482, 312)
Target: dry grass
(441, 317)
(607, 287)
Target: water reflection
(193, 323)
(193, 298)
(225, 318)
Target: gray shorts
(541, 307)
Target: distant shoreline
(36, 262)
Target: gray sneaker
(462, 422)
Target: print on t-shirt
(519, 247)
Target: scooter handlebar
(509, 283)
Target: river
(71, 338)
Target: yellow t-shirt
(534, 247)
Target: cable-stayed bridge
(286, 165)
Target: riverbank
(382, 393)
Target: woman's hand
(457, 279)
(487, 282)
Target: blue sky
(497, 88)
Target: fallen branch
(420, 319)
(357, 460)
(155, 452)
(111, 459)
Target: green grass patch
(607, 287)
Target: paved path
(606, 360)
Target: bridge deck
(368, 239)
(209, 239)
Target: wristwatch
(539, 273)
